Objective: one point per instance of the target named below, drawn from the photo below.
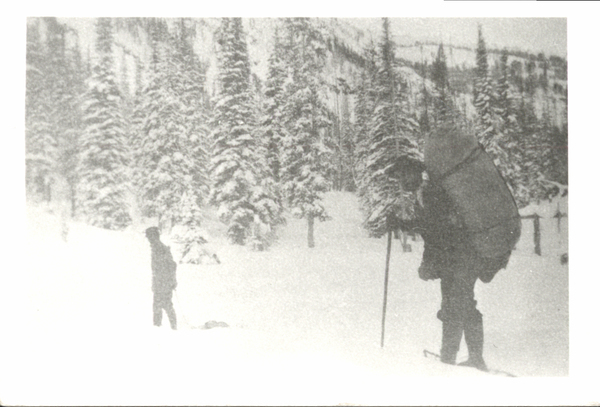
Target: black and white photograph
(294, 210)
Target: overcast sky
(548, 35)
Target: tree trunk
(62, 204)
(311, 230)
(73, 200)
(47, 191)
(537, 235)
(406, 248)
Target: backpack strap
(471, 157)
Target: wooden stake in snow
(385, 284)
(537, 235)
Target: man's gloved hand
(426, 272)
(430, 264)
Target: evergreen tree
(425, 107)
(439, 74)
(483, 97)
(348, 147)
(306, 155)
(41, 146)
(271, 134)
(170, 140)
(104, 155)
(503, 106)
(442, 100)
(496, 123)
(70, 124)
(273, 106)
(529, 137)
(191, 79)
(392, 150)
(364, 108)
(506, 148)
(238, 162)
(552, 149)
(53, 117)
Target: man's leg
(458, 308)
(474, 338)
(168, 306)
(466, 306)
(452, 328)
(157, 309)
(451, 337)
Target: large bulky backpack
(460, 165)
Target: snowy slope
(304, 324)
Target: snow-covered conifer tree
(483, 93)
(104, 155)
(528, 137)
(53, 116)
(495, 124)
(392, 150)
(41, 146)
(306, 157)
(443, 103)
(169, 143)
(274, 101)
(268, 199)
(237, 165)
(504, 147)
(364, 107)
(439, 74)
(503, 101)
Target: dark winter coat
(164, 268)
(448, 246)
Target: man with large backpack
(164, 279)
(470, 226)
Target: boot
(474, 340)
(451, 336)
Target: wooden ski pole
(385, 284)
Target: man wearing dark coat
(450, 256)
(164, 279)
(470, 225)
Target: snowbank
(304, 324)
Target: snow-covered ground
(304, 324)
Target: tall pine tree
(392, 155)
(40, 143)
(55, 83)
(495, 124)
(104, 155)
(170, 141)
(273, 105)
(483, 93)
(365, 105)
(306, 151)
(442, 101)
(238, 164)
(505, 147)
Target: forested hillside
(134, 118)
